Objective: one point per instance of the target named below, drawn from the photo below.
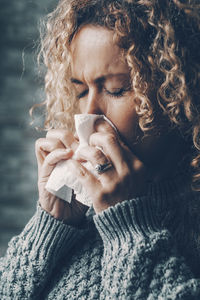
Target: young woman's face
(102, 81)
(101, 78)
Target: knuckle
(63, 134)
(52, 156)
(102, 125)
(56, 144)
(60, 134)
(125, 173)
(110, 139)
(51, 133)
(48, 144)
(39, 144)
(97, 154)
(48, 159)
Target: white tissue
(61, 182)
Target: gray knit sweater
(126, 252)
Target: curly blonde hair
(161, 42)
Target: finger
(92, 154)
(48, 144)
(96, 157)
(90, 183)
(66, 137)
(44, 146)
(52, 159)
(104, 126)
(112, 149)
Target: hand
(123, 181)
(58, 145)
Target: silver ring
(101, 168)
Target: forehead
(94, 46)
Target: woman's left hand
(120, 182)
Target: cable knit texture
(126, 252)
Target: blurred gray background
(20, 88)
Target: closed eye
(117, 92)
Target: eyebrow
(99, 79)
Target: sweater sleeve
(32, 256)
(140, 260)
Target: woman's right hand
(58, 145)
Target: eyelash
(117, 94)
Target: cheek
(81, 106)
(126, 120)
(129, 126)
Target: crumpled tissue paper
(61, 182)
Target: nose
(93, 104)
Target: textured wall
(19, 90)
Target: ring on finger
(101, 168)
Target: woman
(137, 63)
